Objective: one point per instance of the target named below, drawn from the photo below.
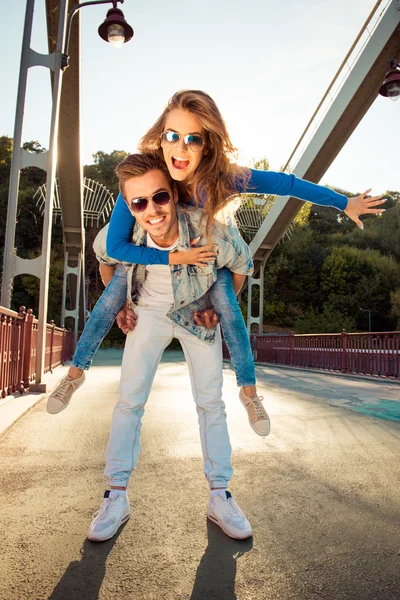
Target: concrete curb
(14, 407)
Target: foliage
(316, 280)
(395, 308)
(353, 279)
(328, 267)
(103, 169)
(329, 320)
(262, 164)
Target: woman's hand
(360, 205)
(199, 256)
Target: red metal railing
(18, 343)
(376, 353)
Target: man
(165, 299)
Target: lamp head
(390, 88)
(115, 29)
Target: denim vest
(190, 283)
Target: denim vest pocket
(197, 271)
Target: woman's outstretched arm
(284, 184)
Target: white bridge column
(70, 271)
(40, 266)
(251, 282)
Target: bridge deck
(321, 493)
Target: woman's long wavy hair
(216, 177)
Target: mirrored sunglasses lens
(169, 138)
(194, 142)
(161, 198)
(139, 205)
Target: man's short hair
(135, 165)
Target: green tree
(329, 320)
(103, 169)
(395, 307)
(352, 279)
(262, 164)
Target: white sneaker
(224, 511)
(62, 394)
(258, 416)
(112, 514)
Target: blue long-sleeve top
(261, 182)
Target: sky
(266, 63)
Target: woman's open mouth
(179, 163)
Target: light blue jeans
(237, 339)
(143, 350)
(225, 304)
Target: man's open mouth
(157, 220)
(179, 163)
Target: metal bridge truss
(98, 202)
(348, 98)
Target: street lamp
(369, 316)
(390, 88)
(114, 30)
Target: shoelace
(62, 390)
(230, 509)
(258, 410)
(108, 506)
(236, 516)
(104, 509)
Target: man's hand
(126, 319)
(360, 205)
(195, 256)
(207, 318)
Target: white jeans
(143, 350)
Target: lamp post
(369, 316)
(114, 30)
(390, 88)
(56, 62)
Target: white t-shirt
(156, 290)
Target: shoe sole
(231, 535)
(93, 539)
(55, 412)
(252, 426)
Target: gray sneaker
(258, 416)
(62, 394)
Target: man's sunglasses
(139, 205)
(194, 141)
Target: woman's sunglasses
(139, 205)
(194, 141)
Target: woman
(192, 138)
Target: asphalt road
(322, 494)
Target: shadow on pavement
(83, 578)
(216, 573)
